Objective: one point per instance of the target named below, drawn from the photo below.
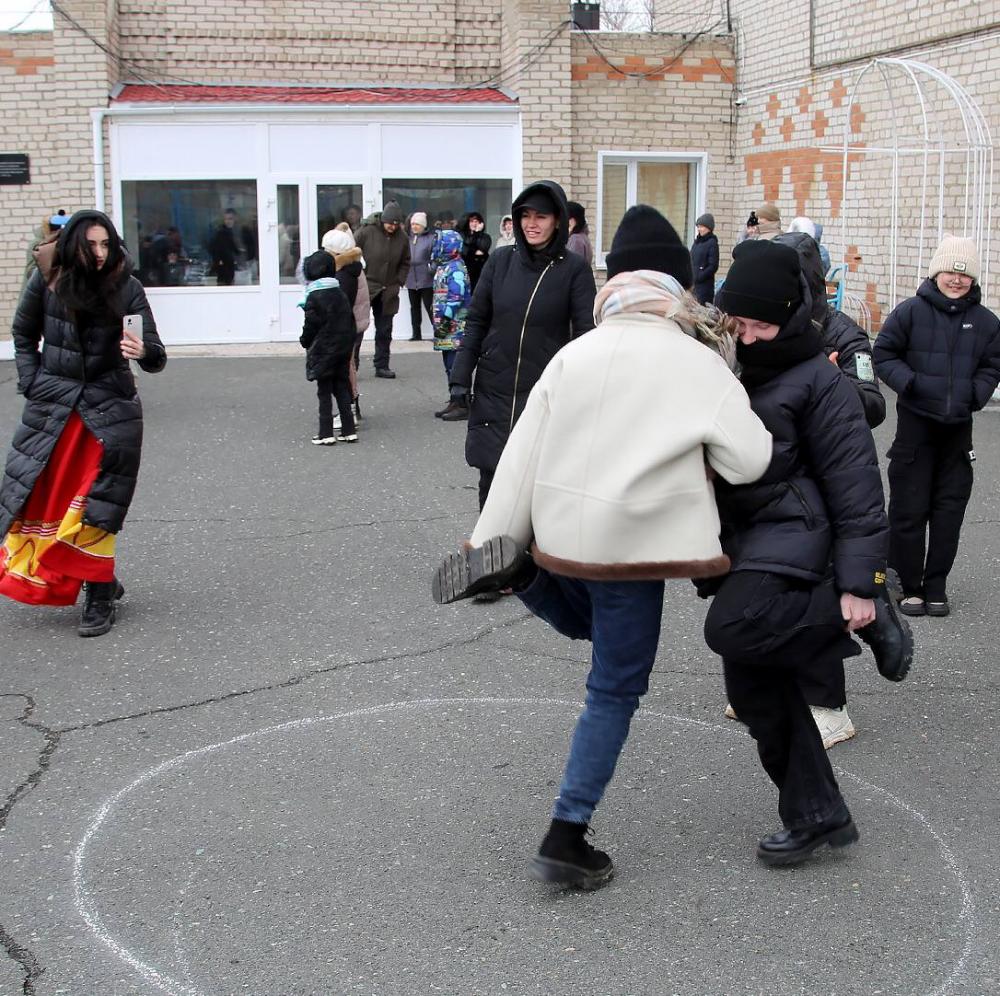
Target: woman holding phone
(72, 468)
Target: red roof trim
(171, 93)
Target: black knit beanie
(645, 240)
(318, 265)
(762, 283)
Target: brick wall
(653, 93)
(791, 129)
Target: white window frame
(631, 159)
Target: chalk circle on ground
(388, 852)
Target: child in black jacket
(940, 353)
(328, 332)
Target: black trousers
(383, 333)
(764, 626)
(930, 481)
(422, 296)
(338, 386)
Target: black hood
(557, 194)
(91, 216)
(812, 268)
(928, 290)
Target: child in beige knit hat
(940, 352)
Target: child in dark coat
(328, 332)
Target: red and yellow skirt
(48, 552)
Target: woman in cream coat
(605, 477)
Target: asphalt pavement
(287, 772)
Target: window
(288, 232)
(184, 233)
(445, 201)
(671, 182)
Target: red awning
(182, 93)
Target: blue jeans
(622, 619)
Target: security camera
(740, 100)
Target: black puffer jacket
(527, 305)
(841, 334)
(79, 368)
(704, 266)
(820, 500)
(327, 331)
(940, 356)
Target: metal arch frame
(977, 148)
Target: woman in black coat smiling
(71, 471)
(532, 298)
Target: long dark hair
(80, 285)
(576, 211)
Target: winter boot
(792, 847)
(566, 858)
(99, 606)
(889, 637)
(457, 411)
(499, 563)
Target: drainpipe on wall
(97, 115)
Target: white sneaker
(324, 440)
(834, 725)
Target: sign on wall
(14, 168)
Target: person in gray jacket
(420, 279)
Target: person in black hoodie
(532, 298)
(807, 544)
(72, 468)
(328, 338)
(705, 259)
(940, 352)
(476, 244)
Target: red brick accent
(852, 257)
(24, 65)
(838, 92)
(857, 119)
(804, 100)
(874, 307)
(651, 69)
(787, 129)
(801, 165)
(773, 106)
(820, 123)
(758, 133)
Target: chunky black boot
(500, 562)
(99, 606)
(792, 847)
(566, 858)
(889, 637)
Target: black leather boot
(889, 637)
(99, 606)
(501, 562)
(566, 858)
(791, 847)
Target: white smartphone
(133, 324)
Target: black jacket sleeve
(987, 375)
(339, 325)
(582, 292)
(843, 336)
(348, 284)
(156, 355)
(477, 325)
(844, 463)
(890, 349)
(27, 331)
(712, 263)
(312, 322)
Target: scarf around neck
(763, 361)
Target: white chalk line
(91, 916)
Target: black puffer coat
(841, 334)
(327, 331)
(704, 266)
(80, 368)
(526, 307)
(820, 500)
(940, 356)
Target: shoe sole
(106, 627)
(840, 737)
(486, 567)
(565, 874)
(323, 442)
(938, 609)
(897, 612)
(840, 837)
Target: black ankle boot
(566, 858)
(500, 562)
(791, 847)
(99, 606)
(889, 637)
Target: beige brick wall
(791, 129)
(409, 41)
(653, 93)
